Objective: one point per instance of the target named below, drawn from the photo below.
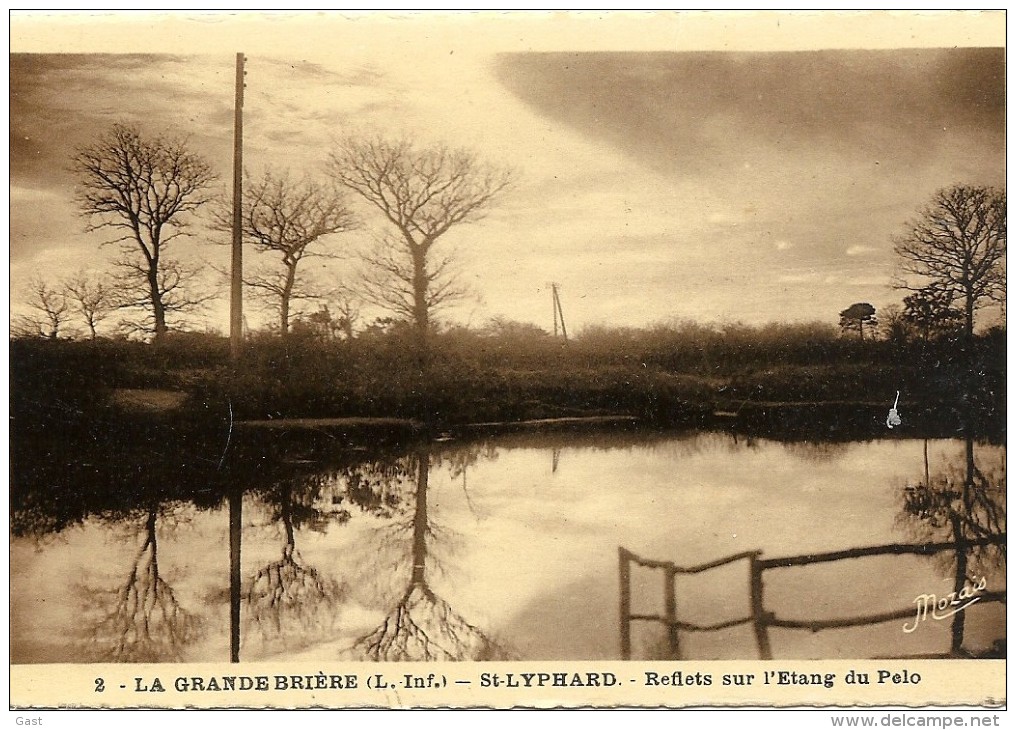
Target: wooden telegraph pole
(236, 289)
(558, 312)
(235, 343)
(553, 303)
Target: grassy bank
(773, 377)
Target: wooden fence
(760, 619)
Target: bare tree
(347, 306)
(893, 320)
(51, 310)
(143, 189)
(94, 298)
(177, 286)
(422, 192)
(141, 620)
(390, 280)
(423, 626)
(958, 244)
(286, 597)
(963, 503)
(289, 218)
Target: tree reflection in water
(962, 502)
(287, 600)
(140, 619)
(421, 625)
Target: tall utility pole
(235, 536)
(235, 343)
(236, 289)
(553, 303)
(558, 312)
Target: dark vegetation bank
(806, 379)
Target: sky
(720, 167)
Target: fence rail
(760, 619)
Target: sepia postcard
(507, 359)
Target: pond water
(502, 548)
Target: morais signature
(946, 606)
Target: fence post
(670, 610)
(624, 582)
(758, 614)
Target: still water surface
(508, 548)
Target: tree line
(146, 191)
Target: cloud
(716, 185)
(41, 220)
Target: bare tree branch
(958, 245)
(286, 599)
(140, 619)
(422, 193)
(142, 189)
(93, 297)
(346, 302)
(288, 218)
(52, 310)
(177, 286)
(422, 626)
